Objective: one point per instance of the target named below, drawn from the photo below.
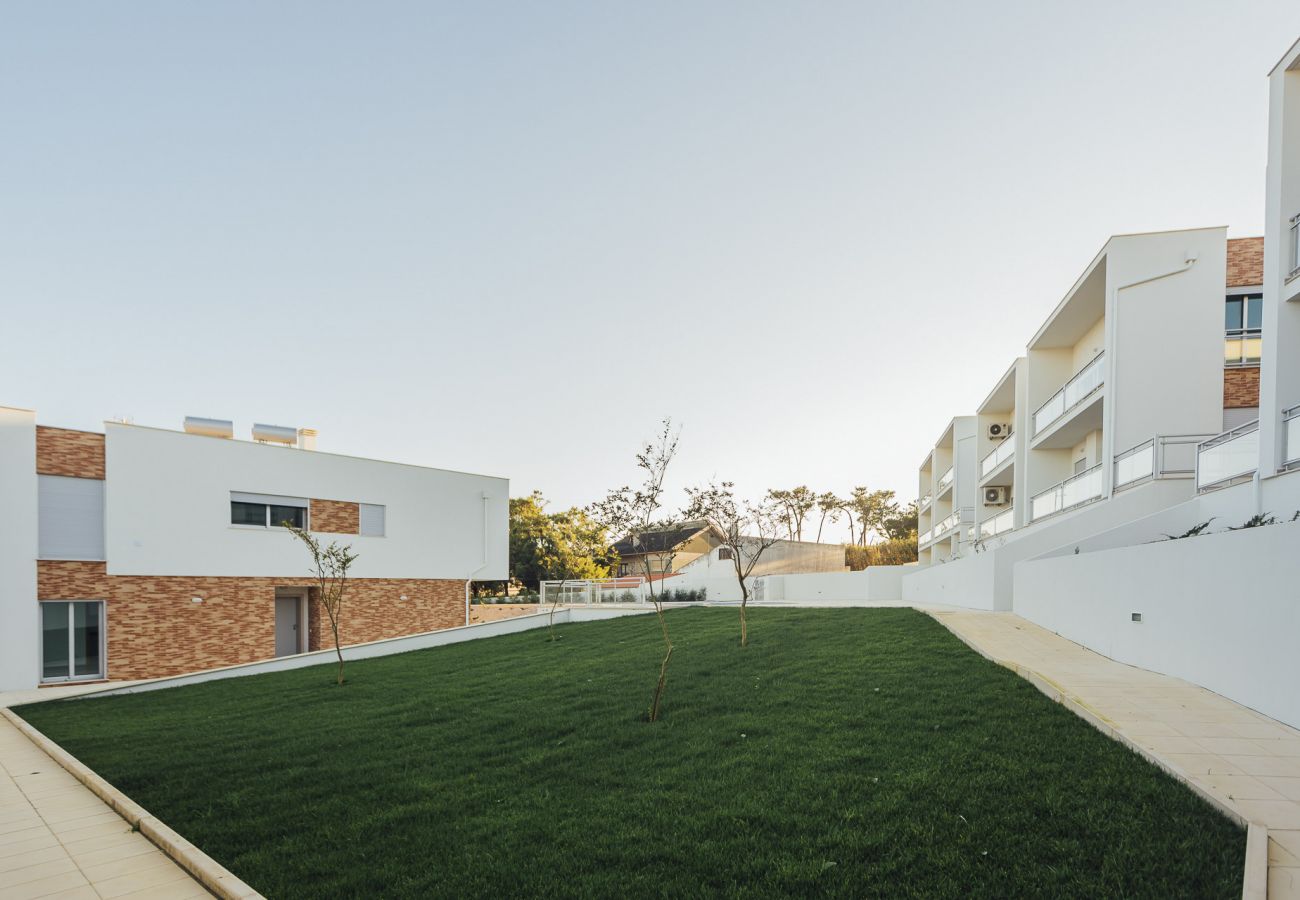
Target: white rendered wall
(873, 584)
(168, 510)
(986, 580)
(1164, 348)
(1219, 611)
(1280, 366)
(19, 625)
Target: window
(372, 519)
(70, 518)
(724, 553)
(267, 511)
(72, 640)
(1243, 323)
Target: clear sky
(509, 238)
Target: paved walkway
(1246, 759)
(59, 840)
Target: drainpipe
(483, 564)
(1108, 459)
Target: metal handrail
(1290, 448)
(1061, 489)
(1220, 440)
(1295, 247)
(998, 455)
(1077, 376)
(945, 479)
(1002, 522)
(1157, 462)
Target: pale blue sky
(509, 238)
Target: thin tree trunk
(334, 626)
(744, 628)
(663, 667)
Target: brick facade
(156, 629)
(62, 451)
(335, 516)
(1241, 387)
(1245, 262)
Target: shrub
(893, 552)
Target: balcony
(1086, 382)
(1227, 458)
(953, 520)
(924, 537)
(924, 501)
(1163, 456)
(1291, 437)
(1074, 491)
(999, 524)
(945, 481)
(998, 455)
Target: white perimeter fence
(629, 589)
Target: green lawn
(848, 752)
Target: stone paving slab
(1246, 760)
(57, 839)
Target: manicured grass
(846, 752)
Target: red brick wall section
(1245, 262)
(61, 451)
(1241, 387)
(335, 516)
(156, 629)
(373, 610)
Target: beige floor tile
(22, 834)
(1283, 847)
(176, 890)
(1283, 883)
(1277, 766)
(47, 887)
(1287, 787)
(1229, 748)
(74, 825)
(1239, 787)
(96, 856)
(32, 858)
(139, 881)
(116, 825)
(1202, 764)
(137, 863)
(44, 838)
(1169, 744)
(78, 893)
(1281, 814)
(35, 872)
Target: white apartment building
(1152, 473)
(1115, 390)
(947, 492)
(143, 552)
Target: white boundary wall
(1221, 610)
(873, 584)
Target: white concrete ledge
(204, 869)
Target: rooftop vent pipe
(218, 428)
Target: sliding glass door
(72, 640)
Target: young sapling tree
(330, 565)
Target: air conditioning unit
(998, 431)
(997, 496)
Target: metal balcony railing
(924, 501)
(1228, 457)
(924, 537)
(998, 455)
(1074, 491)
(1295, 247)
(1291, 437)
(1163, 456)
(945, 479)
(1084, 383)
(1002, 522)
